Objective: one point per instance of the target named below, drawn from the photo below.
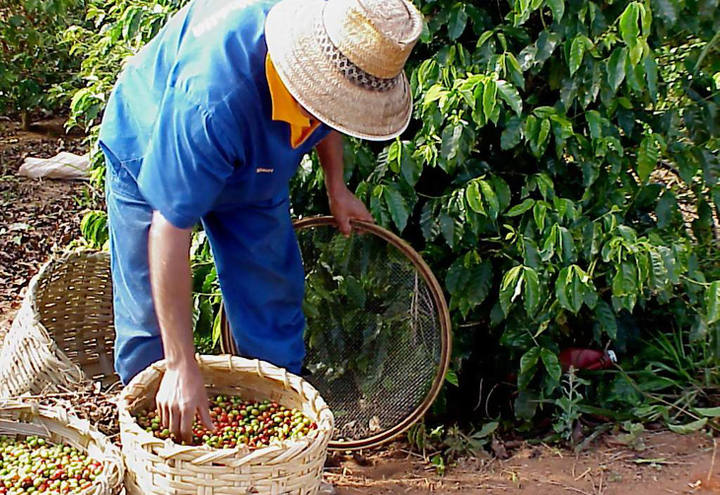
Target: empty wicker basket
(161, 467)
(20, 419)
(62, 336)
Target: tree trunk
(25, 120)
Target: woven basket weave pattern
(63, 334)
(164, 468)
(23, 418)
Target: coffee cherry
(238, 422)
(33, 465)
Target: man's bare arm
(182, 393)
(343, 203)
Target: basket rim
(268, 371)
(29, 410)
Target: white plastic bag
(68, 166)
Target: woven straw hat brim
(315, 82)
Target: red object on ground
(586, 359)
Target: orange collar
(286, 109)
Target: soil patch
(667, 464)
(37, 217)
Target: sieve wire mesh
(373, 335)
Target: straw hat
(343, 61)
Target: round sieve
(378, 330)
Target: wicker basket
(62, 336)
(54, 423)
(163, 468)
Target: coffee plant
(560, 176)
(36, 70)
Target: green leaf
(94, 228)
(558, 9)
(543, 134)
(478, 287)
(502, 191)
(217, 329)
(474, 198)
(616, 68)
(429, 222)
(605, 316)
(647, 157)
(490, 198)
(569, 290)
(689, 427)
(645, 18)
(452, 378)
(568, 244)
(478, 113)
(355, 292)
(577, 50)
(552, 364)
(458, 21)
(531, 291)
(486, 430)
(525, 405)
(483, 38)
(528, 367)
(708, 412)
(131, 22)
(515, 71)
(397, 206)
(451, 140)
(712, 302)
(510, 96)
(518, 210)
(457, 277)
(410, 168)
(666, 209)
(489, 98)
(659, 272)
(625, 280)
(629, 28)
(544, 112)
(433, 94)
(511, 287)
(512, 134)
(651, 76)
(594, 121)
(447, 227)
(545, 46)
(539, 213)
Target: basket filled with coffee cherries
(271, 431)
(48, 450)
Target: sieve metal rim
(228, 343)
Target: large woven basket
(24, 418)
(161, 467)
(62, 336)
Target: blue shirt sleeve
(188, 160)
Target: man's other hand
(345, 207)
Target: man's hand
(343, 204)
(345, 207)
(181, 398)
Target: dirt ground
(38, 218)
(662, 463)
